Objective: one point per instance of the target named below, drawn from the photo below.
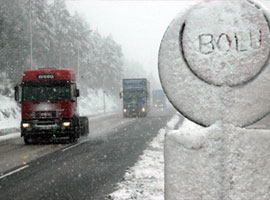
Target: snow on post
(214, 67)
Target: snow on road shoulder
(10, 136)
(145, 180)
(9, 113)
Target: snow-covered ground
(145, 180)
(9, 113)
(10, 136)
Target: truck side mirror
(77, 92)
(17, 94)
(121, 95)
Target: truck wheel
(72, 138)
(143, 115)
(28, 140)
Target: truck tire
(29, 140)
(26, 140)
(143, 114)
(72, 138)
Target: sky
(138, 26)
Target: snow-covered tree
(42, 33)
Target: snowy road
(89, 169)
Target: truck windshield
(134, 94)
(45, 93)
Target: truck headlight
(143, 109)
(66, 124)
(25, 125)
(125, 110)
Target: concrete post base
(220, 162)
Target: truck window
(45, 93)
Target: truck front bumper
(47, 128)
(134, 112)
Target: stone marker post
(214, 67)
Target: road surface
(89, 169)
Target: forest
(44, 34)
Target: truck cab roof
(49, 75)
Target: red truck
(49, 109)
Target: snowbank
(218, 162)
(145, 180)
(9, 113)
(10, 136)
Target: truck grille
(45, 124)
(133, 105)
(45, 114)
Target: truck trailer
(136, 97)
(49, 106)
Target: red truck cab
(49, 109)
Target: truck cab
(135, 97)
(49, 108)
